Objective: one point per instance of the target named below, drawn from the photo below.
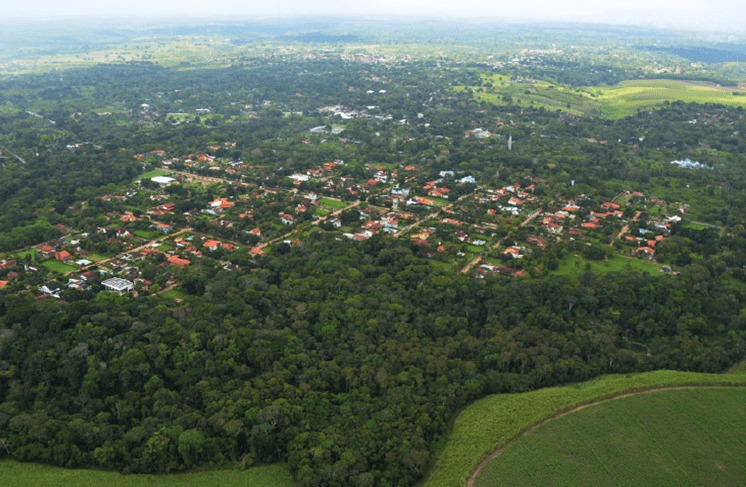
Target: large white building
(117, 284)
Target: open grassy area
(59, 267)
(148, 234)
(332, 203)
(629, 96)
(174, 293)
(615, 101)
(575, 265)
(498, 89)
(496, 420)
(665, 438)
(18, 474)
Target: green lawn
(666, 438)
(15, 474)
(575, 265)
(496, 420)
(333, 204)
(174, 293)
(59, 267)
(148, 234)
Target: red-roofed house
(212, 245)
(176, 260)
(63, 256)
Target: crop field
(627, 97)
(18, 474)
(492, 422)
(645, 439)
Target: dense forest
(346, 359)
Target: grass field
(332, 203)
(59, 267)
(16, 474)
(537, 93)
(494, 421)
(627, 97)
(148, 234)
(615, 101)
(645, 439)
(574, 265)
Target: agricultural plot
(674, 437)
(629, 96)
(30, 474)
(494, 421)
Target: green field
(645, 439)
(59, 267)
(627, 97)
(332, 203)
(575, 265)
(535, 93)
(492, 422)
(615, 101)
(15, 474)
(148, 234)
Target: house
(3, 284)
(178, 261)
(117, 284)
(212, 245)
(287, 219)
(514, 252)
(163, 227)
(5, 264)
(52, 288)
(46, 250)
(256, 251)
(63, 256)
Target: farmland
(611, 102)
(629, 96)
(652, 432)
(494, 421)
(27, 474)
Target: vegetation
(29, 475)
(495, 421)
(664, 438)
(474, 248)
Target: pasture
(672, 437)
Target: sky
(723, 15)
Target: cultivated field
(673, 437)
(615, 101)
(15, 474)
(627, 97)
(493, 422)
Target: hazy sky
(700, 14)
